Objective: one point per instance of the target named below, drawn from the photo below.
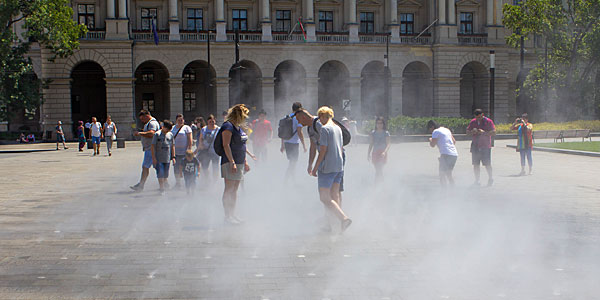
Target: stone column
(222, 94)
(265, 19)
(309, 20)
(490, 13)
(394, 27)
(499, 13)
(268, 95)
(442, 12)
(220, 21)
(451, 12)
(446, 97)
(395, 105)
(175, 97)
(110, 9)
(122, 9)
(119, 104)
(173, 21)
(355, 97)
(351, 21)
(311, 98)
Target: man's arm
(189, 140)
(322, 151)
(311, 155)
(433, 142)
(301, 136)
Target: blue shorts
(162, 170)
(326, 180)
(96, 140)
(147, 162)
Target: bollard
(120, 143)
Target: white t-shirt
(444, 141)
(96, 128)
(109, 130)
(181, 139)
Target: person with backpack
(151, 126)
(182, 135)
(205, 150)
(290, 133)
(230, 144)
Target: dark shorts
(206, 158)
(292, 151)
(481, 155)
(179, 161)
(162, 170)
(60, 138)
(447, 162)
(190, 180)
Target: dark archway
(474, 87)
(88, 93)
(245, 85)
(199, 90)
(333, 85)
(152, 89)
(372, 91)
(417, 95)
(290, 86)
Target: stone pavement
(71, 228)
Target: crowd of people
(96, 131)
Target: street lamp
(492, 75)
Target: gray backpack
(286, 128)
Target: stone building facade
(438, 61)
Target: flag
(302, 28)
(154, 31)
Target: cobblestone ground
(71, 228)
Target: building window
(148, 101)
(325, 21)
(466, 23)
(189, 101)
(147, 76)
(407, 23)
(367, 22)
(85, 13)
(239, 19)
(189, 76)
(194, 19)
(283, 20)
(147, 15)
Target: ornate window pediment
(369, 2)
(409, 3)
(468, 3)
(329, 1)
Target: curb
(563, 151)
(25, 151)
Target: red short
(378, 158)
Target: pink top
(482, 141)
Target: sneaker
(161, 192)
(109, 154)
(57, 148)
(80, 150)
(66, 148)
(231, 221)
(345, 224)
(522, 173)
(490, 182)
(476, 184)
(137, 187)
(94, 154)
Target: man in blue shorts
(150, 127)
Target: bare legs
(330, 197)
(230, 200)
(477, 172)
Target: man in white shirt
(442, 138)
(96, 135)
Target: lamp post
(492, 75)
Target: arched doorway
(88, 93)
(245, 85)
(417, 95)
(199, 90)
(290, 86)
(333, 85)
(474, 86)
(373, 91)
(152, 89)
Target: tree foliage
(47, 22)
(571, 30)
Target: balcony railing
(324, 37)
(196, 36)
(373, 38)
(472, 39)
(424, 39)
(94, 36)
(245, 36)
(149, 36)
(286, 37)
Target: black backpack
(218, 143)
(346, 136)
(286, 128)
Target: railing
(149, 36)
(332, 37)
(286, 37)
(196, 36)
(413, 40)
(245, 36)
(373, 38)
(94, 36)
(472, 39)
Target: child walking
(190, 171)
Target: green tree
(48, 22)
(571, 30)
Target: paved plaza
(72, 229)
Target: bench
(576, 133)
(547, 134)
